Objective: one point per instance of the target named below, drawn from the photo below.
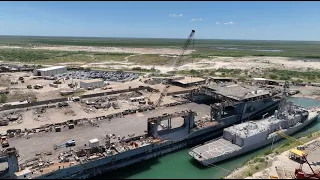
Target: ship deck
(135, 123)
(215, 148)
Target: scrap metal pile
(115, 76)
(10, 117)
(36, 163)
(15, 68)
(106, 102)
(154, 81)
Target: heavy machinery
(177, 63)
(69, 143)
(58, 81)
(4, 142)
(72, 85)
(299, 173)
(38, 86)
(162, 95)
(185, 46)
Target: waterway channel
(180, 165)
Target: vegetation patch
(52, 57)
(264, 160)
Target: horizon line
(155, 38)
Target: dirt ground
(283, 167)
(106, 49)
(76, 110)
(244, 63)
(20, 92)
(307, 92)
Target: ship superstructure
(158, 139)
(247, 136)
(236, 102)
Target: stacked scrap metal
(117, 76)
(15, 68)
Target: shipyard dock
(124, 128)
(121, 126)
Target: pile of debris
(176, 103)
(15, 68)
(154, 81)
(92, 121)
(10, 117)
(117, 76)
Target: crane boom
(289, 137)
(184, 48)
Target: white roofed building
(50, 71)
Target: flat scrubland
(271, 59)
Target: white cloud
(196, 19)
(217, 23)
(253, 29)
(175, 15)
(229, 22)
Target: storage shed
(50, 71)
(97, 83)
(94, 142)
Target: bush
(273, 76)
(192, 71)
(286, 78)
(136, 69)
(3, 98)
(267, 152)
(241, 78)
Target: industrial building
(223, 79)
(267, 81)
(92, 83)
(188, 81)
(50, 71)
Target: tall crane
(176, 63)
(188, 42)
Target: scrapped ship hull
(110, 163)
(289, 131)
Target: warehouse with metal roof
(50, 71)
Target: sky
(164, 19)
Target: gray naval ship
(248, 136)
(233, 104)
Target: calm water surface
(180, 165)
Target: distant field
(204, 48)
(52, 57)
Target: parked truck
(4, 142)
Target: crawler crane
(176, 63)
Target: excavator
(176, 63)
(58, 81)
(299, 173)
